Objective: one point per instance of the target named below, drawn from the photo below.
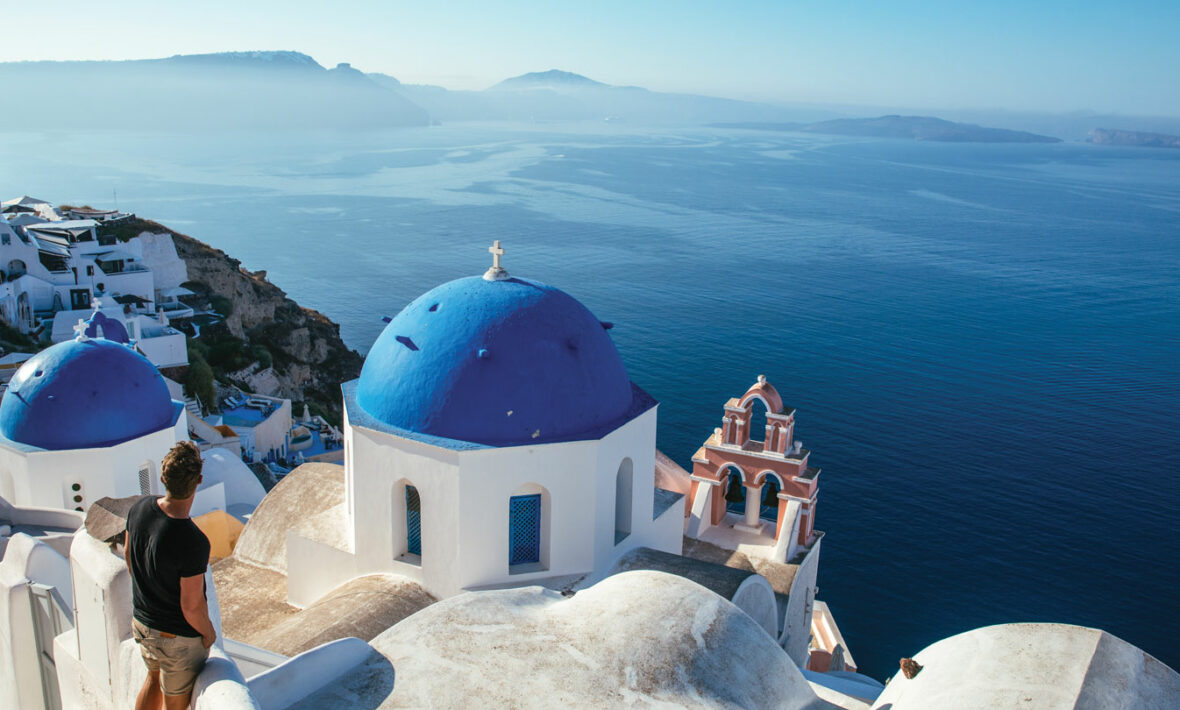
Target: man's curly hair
(181, 470)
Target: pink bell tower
(734, 468)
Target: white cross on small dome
(496, 272)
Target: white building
(91, 418)
(263, 425)
(52, 271)
(150, 335)
(82, 420)
(494, 438)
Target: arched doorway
(24, 312)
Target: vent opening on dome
(405, 340)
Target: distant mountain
(557, 95)
(1108, 136)
(385, 80)
(921, 128)
(231, 90)
(283, 60)
(554, 79)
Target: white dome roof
(242, 488)
(1044, 666)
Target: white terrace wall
(159, 255)
(796, 631)
(99, 664)
(26, 560)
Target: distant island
(552, 79)
(229, 90)
(290, 90)
(1110, 136)
(919, 128)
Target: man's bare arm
(127, 549)
(195, 608)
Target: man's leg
(150, 696)
(185, 658)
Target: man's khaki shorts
(178, 658)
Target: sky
(1030, 55)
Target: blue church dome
(84, 394)
(496, 362)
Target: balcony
(115, 268)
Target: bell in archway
(770, 497)
(735, 494)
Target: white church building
(494, 439)
(90, 418)
(85, 419)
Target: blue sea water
(982, 341)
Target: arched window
(524, 529)
(145, 477)
(623, 500)
(23, 311)
(413, 521)
(405, 523)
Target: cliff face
(304, 349)
(1107, 136)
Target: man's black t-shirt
(162, 550)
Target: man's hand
(195, 608)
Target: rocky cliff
(1108, 136)
(263, 330)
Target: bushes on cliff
(221, 305)
(261, 354)
(199, 381)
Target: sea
(982, 342)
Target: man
(167, 555)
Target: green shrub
(260, 353)
(199, 381)
(222, 305)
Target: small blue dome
(83, 394)
(112, 329)
(495, 362)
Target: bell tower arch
(760, 480)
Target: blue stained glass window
(413, 521)
(524, 529)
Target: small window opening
(413, 521)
